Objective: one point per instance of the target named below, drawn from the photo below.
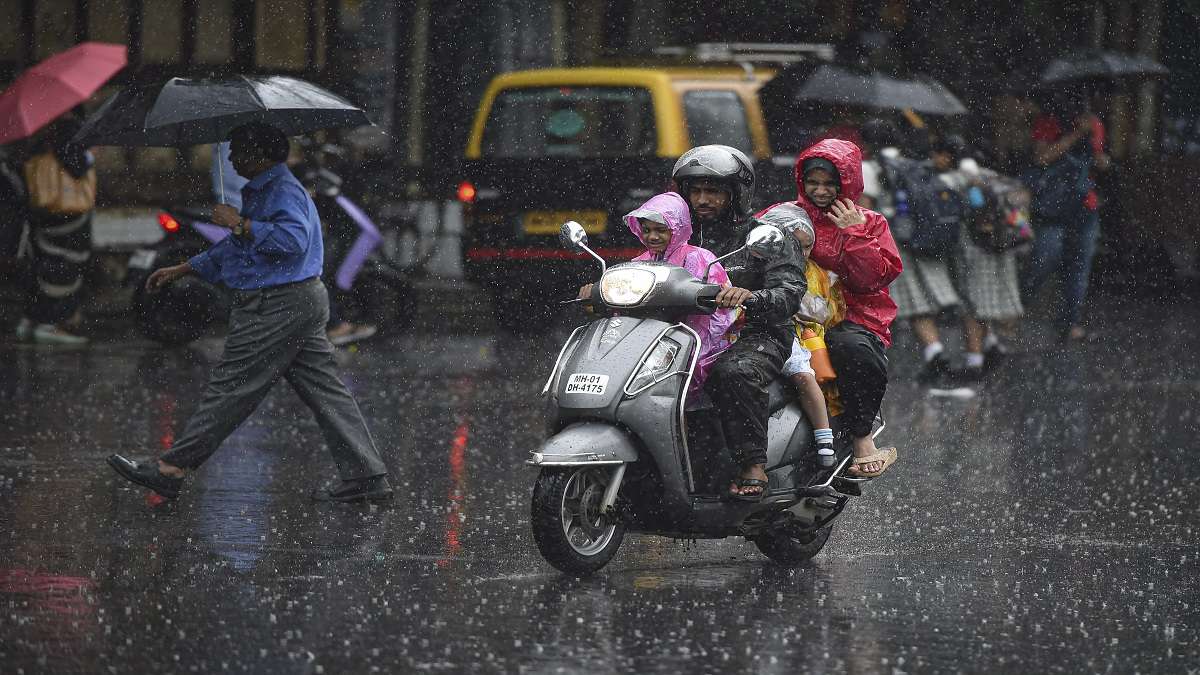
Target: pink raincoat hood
(714, 329)
(671, 210)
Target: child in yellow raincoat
(808, 366)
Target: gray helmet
(721, 163)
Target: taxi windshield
(570, 122)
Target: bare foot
(753, 471)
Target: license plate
(587, 383)
(549, 222)
(142, 259)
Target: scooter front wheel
(568, 527)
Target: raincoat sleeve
(711, 327)
(784, 285)
(284, 231)
(208, 263)
(866, 257)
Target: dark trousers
(61, 249)
(738, 386)
(861, 364)
(279, 332)
(1067, 249)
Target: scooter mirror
(765, 241)
(573, 236)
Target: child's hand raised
(844, 214)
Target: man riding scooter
(718, 183)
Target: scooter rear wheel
(568, 527)
(788, 550)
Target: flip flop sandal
(887, 455)
(743, 483)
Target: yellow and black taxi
(585, 144)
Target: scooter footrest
(817, 491)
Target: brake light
(466, 192)
(168, 223)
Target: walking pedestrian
(61, 185)
(924, 289)
(272, 262)
(986, 278)
(1065, 206)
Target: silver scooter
(626, 452)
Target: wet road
(1048, 524)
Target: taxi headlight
(626, 287)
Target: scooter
(627, 453)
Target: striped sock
(823, 436)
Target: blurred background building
(419, 66)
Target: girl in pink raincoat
(664, 225)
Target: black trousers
(861, 364)
(62, 250)
(738, 386)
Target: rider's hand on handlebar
(585, 292)
(732, 296)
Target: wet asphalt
(1046, 524)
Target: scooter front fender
(586, 443)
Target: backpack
(1058, 190)
(54, 190)
(998, 219)
(929, 214)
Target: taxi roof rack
(750, 52)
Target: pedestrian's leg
(1079, 248)
(313, 375)
(1043, 260)
(257, 350)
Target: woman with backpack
(985, 261)
(61, 184)
(925, 288)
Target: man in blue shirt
(272, 261)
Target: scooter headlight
(626, 287)
(656, 365)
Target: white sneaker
(49, 334)
(24, 329)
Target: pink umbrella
(56, 85)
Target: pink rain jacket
(671, 210)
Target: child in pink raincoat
(664, 226)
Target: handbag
(54, 190)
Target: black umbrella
(182, 112)
(863, 88)
(1094, 64)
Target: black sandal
(743, 483)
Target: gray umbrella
(182, 112)
(865, 88)
(1092, 64)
